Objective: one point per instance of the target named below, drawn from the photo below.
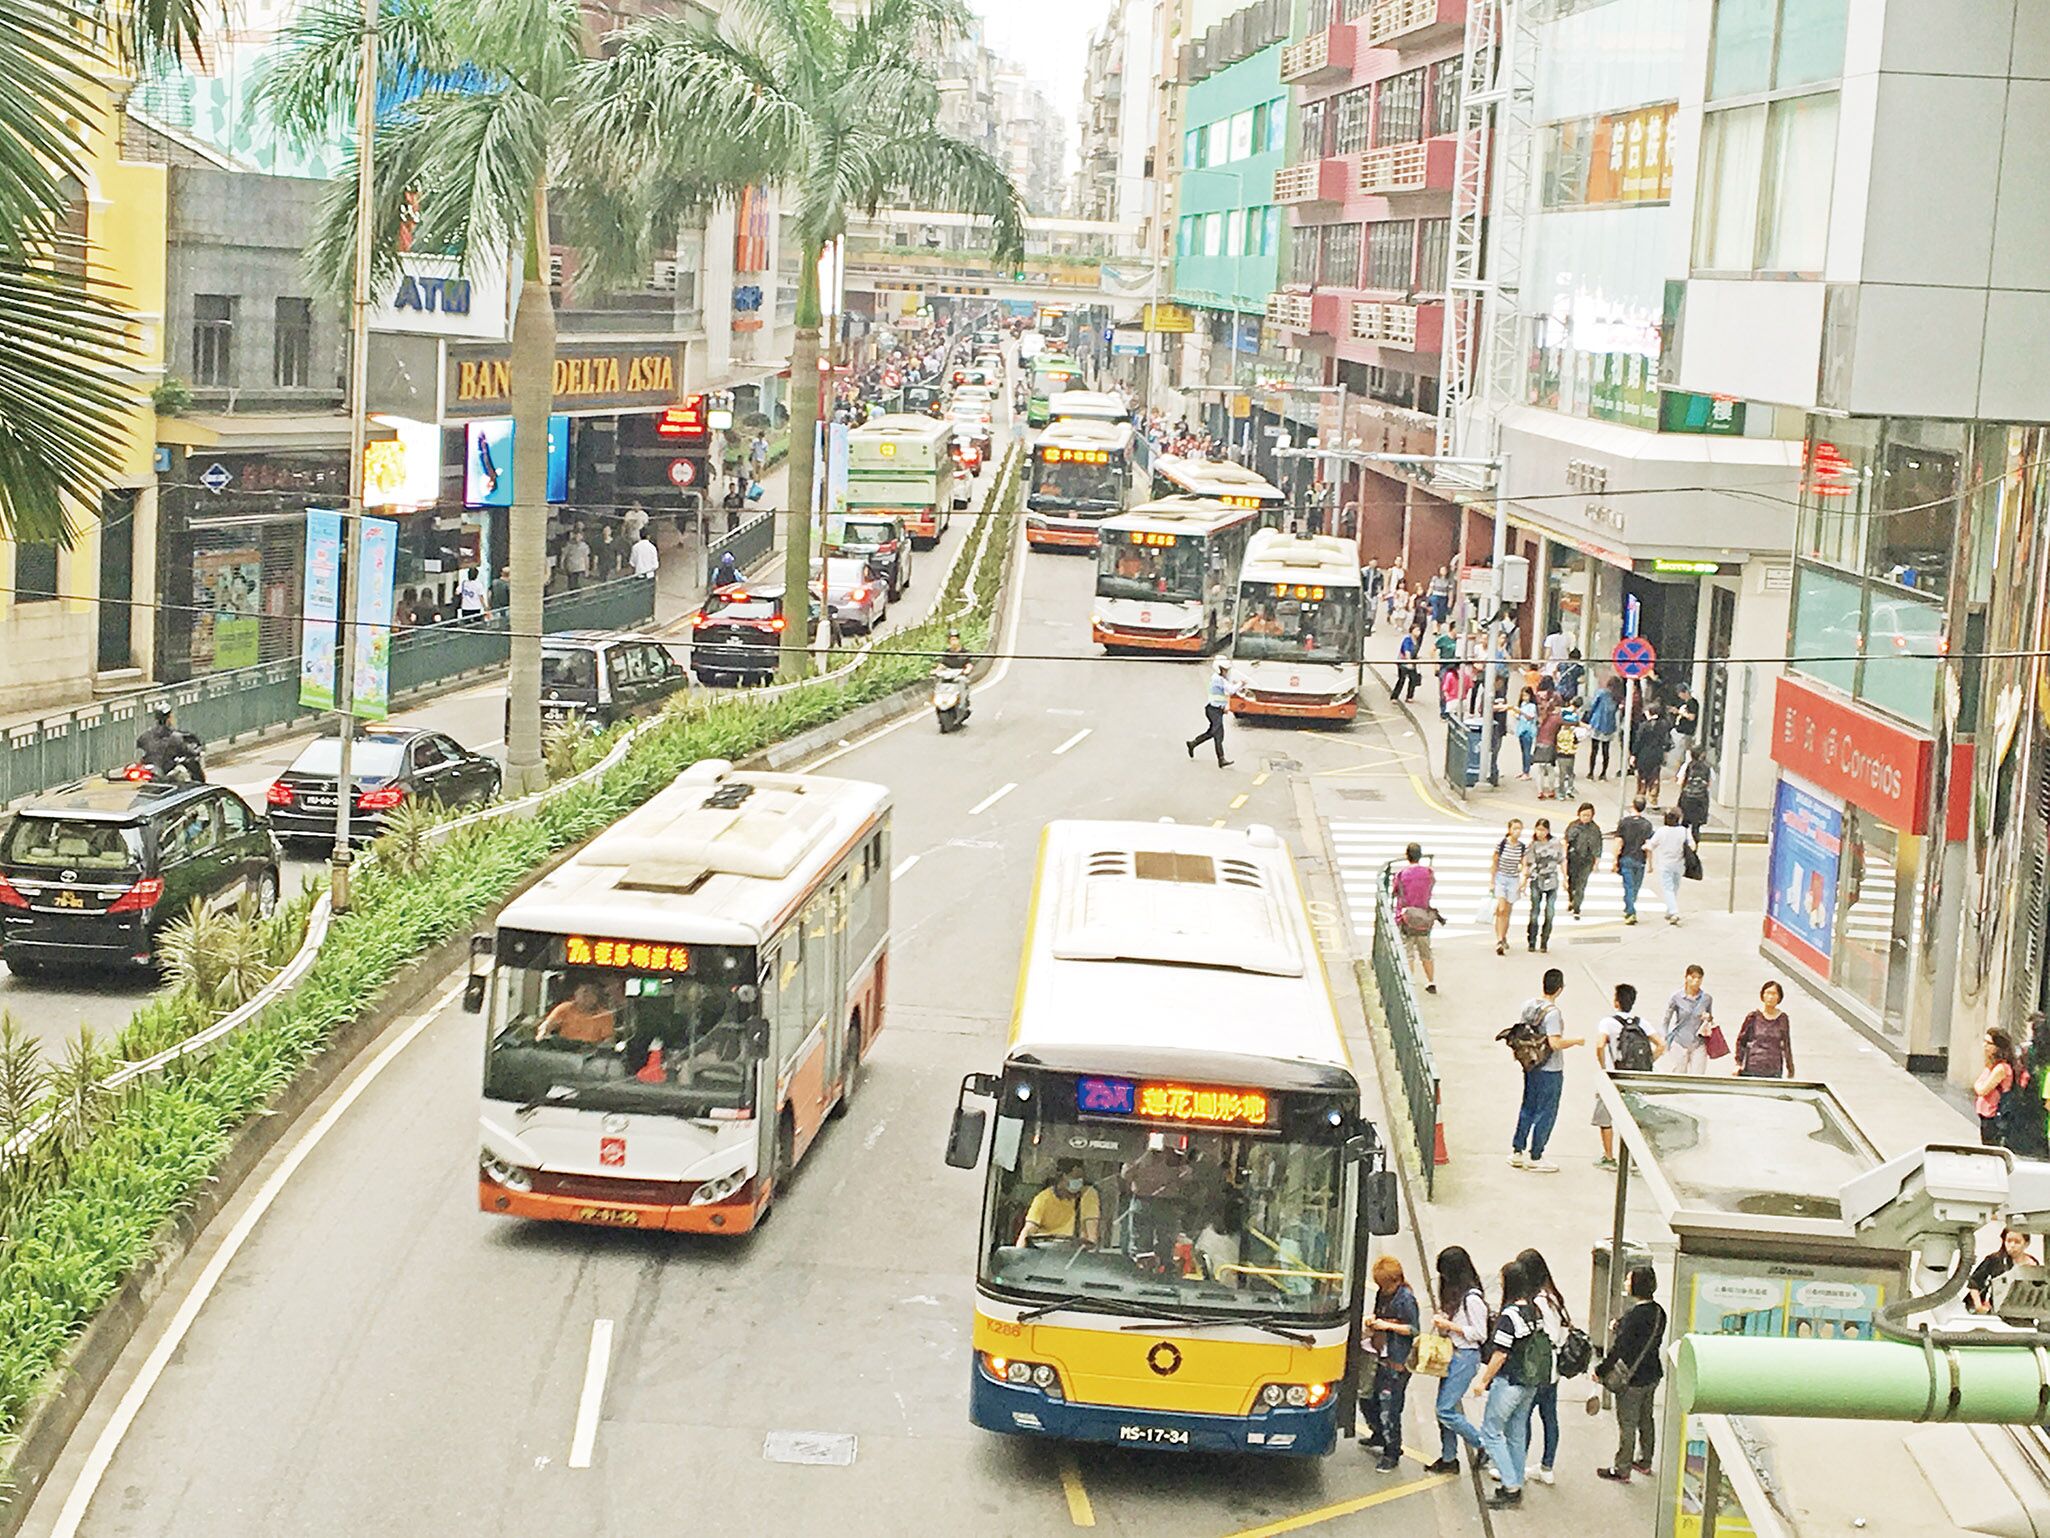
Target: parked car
(857, 599)
(736, 636)
(90, 873)
(389, 766)
(604, 676)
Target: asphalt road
(380, 1358)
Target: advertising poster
(227, 629)
(320, 608)
(1807, 842)
(370, 696)
(488, 461)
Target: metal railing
(1406, 1033)
(225, 707)
(748, 544)
(1462, 768)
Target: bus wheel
(786, 1157)
(850, 1069)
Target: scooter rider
(163, 747)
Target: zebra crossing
(1462, 856)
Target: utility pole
(359, 378)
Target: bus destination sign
(1195, 1104)
(626, 955)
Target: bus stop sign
(1634, 657)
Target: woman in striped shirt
(1508, 880)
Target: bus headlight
(1272, 1394)
(498, 1172)
(1044, 1376)
(1018, 1372)
(717, 1190)
(1297, 1396)
(1023, 1374)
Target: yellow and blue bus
(1181, 1182)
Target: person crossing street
(1222, 687)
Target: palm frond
(952, 176)
(46, 79)
(884, 28)
(309, 87)
(804, 39)
(536, 44)
(147, 32)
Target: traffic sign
(682, 472)
(1634, 657)
(216, 478)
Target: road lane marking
(903, 865)
(1240, 800)
(1217, 822)
(599, 1363)
(1080, 1511)
(991, 799)
(1057, 752)
(1416, 783)
(1260, 778)
(109, 1443)
(1332, 1513)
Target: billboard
(488, 461)
(1807, 846)
(321, 608)
(370, 691)
(1610, 160)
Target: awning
(257, 431)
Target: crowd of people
(1177, 437)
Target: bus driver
(1058, 1206)
(585, 1016)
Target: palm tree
(63, 341)
(839, 113)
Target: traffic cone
(1438, 1153)
(651, 1071)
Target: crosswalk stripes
(1462, 858)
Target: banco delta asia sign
(480, 380)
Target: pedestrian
(1695, 778)
(1407, 675)
(1390, 1330)
(2013, 1251)
(1526, 728)
(1420, 613)
(1462, 1318)
(1621, 1044)
(1451, 687)
(2024, 1132)
(1519, 1364)
(1571, 674)
(1669, 848)
(1765, 1044)
(1507, 878)
(1544, 1080)
(1544, 860)
(633, 521)
(1683, 716)
(1447, 647)
(1410, 891)
(501, 590)
(1689, 1016)
(473, 597)
(1222, 688)
(645, 558)
(1498, 709)
(1584, 843)
(1630, 1371)
(1601, 733)
(1633, 833)
(1545, 746)
(1556, 1322)
(576, 559)
(1441, 594)
(1556, 645)
(405, 613)
(1648, 743)
(1996, 1079)
(1567, 744)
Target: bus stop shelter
(1744, 1174)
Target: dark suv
(603, 676)
(736, 636)
(89, 873)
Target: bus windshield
(1072, 483)
(638, 1037)
(1206, 1220)
(1127, 570)
(1277, 628)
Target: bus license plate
(618, 1217)
(1168, 1436)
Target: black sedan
(390, 766)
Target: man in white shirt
(635, 520)
(576, 559)
(644, 557)
(472, 597)
(1556, 646)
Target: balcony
(1423, 165)
(1404, 24)
(1313, 181)
(1290, 312)
(1410, 327)
(1323, 56)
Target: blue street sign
(216, 478)
(1634, 657)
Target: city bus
(1181, 1184)
(674, 1013)
(1081, 474)
(904, 464)
(1087, 406)
(1232, 484)
(1167, 574)
(1296, 637)
(1052, 373)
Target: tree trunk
(533, 394)
(806, 399)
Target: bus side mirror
(482, 945)
(964, 1139)
(473, 992)
(1381, 1203)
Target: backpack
(1530, 1363)
(1568, 739)
(1694, 781)
(1527, 1040)
(1577, 1354)
(1632, 1052)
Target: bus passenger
(1066, 1208)
(582, 1017)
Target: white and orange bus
(1296, 639)
(1230, 483)
(1167, 574)
(674, 1013)
(1081, 474)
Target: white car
(972, 420)
(855, 599)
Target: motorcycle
(950, 697)
(188, 768)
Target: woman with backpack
(1462, 1317)
(1558, 1324)
(1695, 779)
(1995, 1082)
(1519, 1365)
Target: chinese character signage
(1212, 1105)
(1807, 844)
(1871, 763)
(370, 692)
(625, 955)
(1616, 158)
(321, 608)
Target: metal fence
(1411, 1042)
(241, 702)
(1462, 756)
(747, 544)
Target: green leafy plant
(172, 398)
(220, 958)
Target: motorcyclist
(957, 657)
(163, 747)
(728, 573)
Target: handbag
(1432, 1355)
(1715, 1042)
(1614, 1377)
(1418, 921)
(1690, 863)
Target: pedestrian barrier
(1406, 1033)
(1462, 756)
(225, 707)
(747, 544)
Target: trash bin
(1462, 755)
(1634, 1255)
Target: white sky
(1048, 39)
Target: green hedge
(86, 1210)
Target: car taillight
(698, 622)
(776, 623)
(138, 772)
(139, 898)
(9, 898)
(383, 799)
(280, 794)
(887, 547)
(860, 595)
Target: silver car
(855, 597)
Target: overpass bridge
(1077, 260)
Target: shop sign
(437, 296)
(1687, 568)
(1614, 159)
(1807, 845)
(405, 469)
(1686, 411)
(1175, 318)
(1127, 343)
(482, 385)
(1873, 764)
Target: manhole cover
(835, 1449)
(1283, 765)
(1364, 793)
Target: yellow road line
(1080, 1512)
(1217, 822)
(1240, 799)
(1260, 779)
(1332, 1513)
(1416, 782)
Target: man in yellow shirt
(1068, 1208)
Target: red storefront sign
(1872, 763)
